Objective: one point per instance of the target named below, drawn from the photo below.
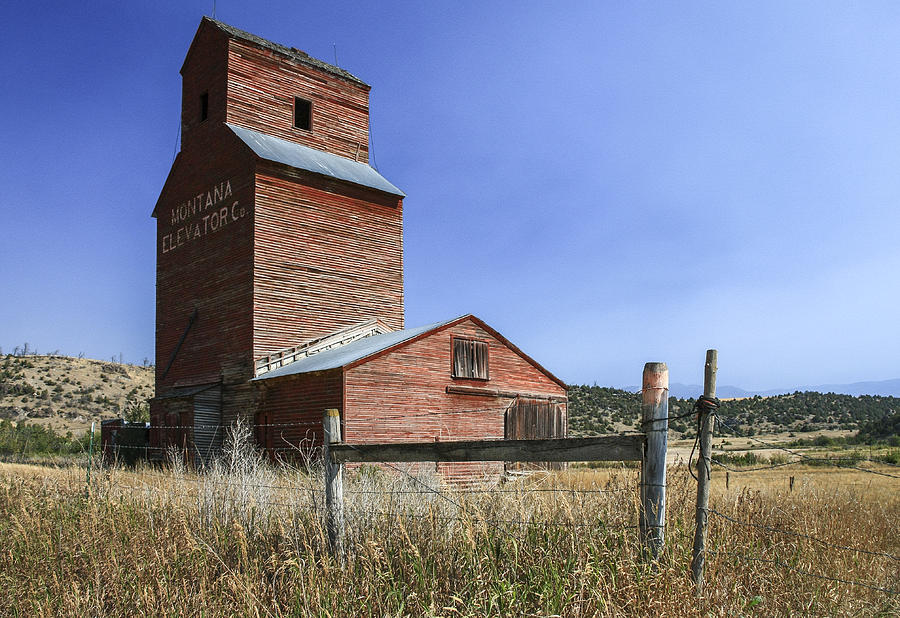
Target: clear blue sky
(606, 183)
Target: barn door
(208, 425)
(534, 419)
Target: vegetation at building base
(596, 410)
(248, 539)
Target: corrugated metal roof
(312, 160)
(352, 352)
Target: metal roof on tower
(305, 158)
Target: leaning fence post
(704, 462)
(334, 484)
(654, 422)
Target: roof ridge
(291, 52)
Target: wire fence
(723, 550)
(416, 496)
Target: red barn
(280, 274)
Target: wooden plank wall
(325, 258)
(205, 70)
(533, 419)
(262, 85)
(292, 407)
(205, 263)
(401, 396)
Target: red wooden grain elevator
(280, 276)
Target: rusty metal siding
(262, 85)
(326, 257)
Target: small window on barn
(204, 106)
(302, 114)
(470, 359)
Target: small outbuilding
(454, 380)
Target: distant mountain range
(885, 388)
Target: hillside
(596, 410)
(67, 393)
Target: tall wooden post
(654, 422)
(334, 484)
(704, 462)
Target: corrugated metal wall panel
(208, 429)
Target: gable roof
(291, 52)
(311, 160)
(361, 350)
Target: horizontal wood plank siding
(402, 396)
(262, 85)
(324, 260)
(204, 262)
(204, 71)
(292, 407)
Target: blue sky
(605, 183)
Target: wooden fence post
(654, 422)
(704, 462)
(334, 485)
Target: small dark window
(204, 106)
(302, 114)
(470, 359)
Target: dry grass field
(247, 539)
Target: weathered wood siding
(204, 70)
(204, 262)
(534, 419)
(327, 256)
(169, 422)
(262, 85)
(401, 396)
(205, 255)
(290, 412)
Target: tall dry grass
(247, 539)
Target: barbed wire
(215, 426)
(513, 522)
(785, 565)
(804, 536)
(525, 491)
(317, 423)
